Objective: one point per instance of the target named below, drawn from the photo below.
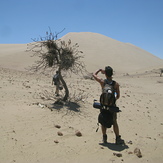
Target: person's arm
(96, 77)
(117, 91)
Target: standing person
(56, 82)
(108, 72)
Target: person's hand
(102, 71)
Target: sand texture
(33, 129)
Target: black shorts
(107, 118)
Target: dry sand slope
(100, 50)
(28, 128)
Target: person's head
(57, 72)
(108, 71)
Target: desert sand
(32, 129)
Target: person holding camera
(56, 82)
(108, 72)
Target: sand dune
(15, 56)
(103, 50)
(98, 49)
(33, 130)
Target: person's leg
(103, 130)
(104, 134)
(116, 128)
(116, 131)
(115, 125)
(57, 89)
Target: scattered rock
(78, 133)
(71, 127)
(57, 126)
(56, 141)
(117, 154)
(130, 142)
(128, 95)
(130, 153)
(43, 98)
(137, 152)
(149, 137)
(27, 86)
(60, 133)
(41, 105)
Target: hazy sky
(139, 22)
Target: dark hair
(108, 71)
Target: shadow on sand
(71, 106)
(115, 147)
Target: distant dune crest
(100, 50)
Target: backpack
(107, 97)
(105, 118)
(56, 79)
(107, 101)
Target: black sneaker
(104, 138)
(119, 140)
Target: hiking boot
(119, 140)
(104, 138)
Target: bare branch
(57, 54)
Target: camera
(97, 105)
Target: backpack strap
(113, 82)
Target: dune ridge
(103, 50)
